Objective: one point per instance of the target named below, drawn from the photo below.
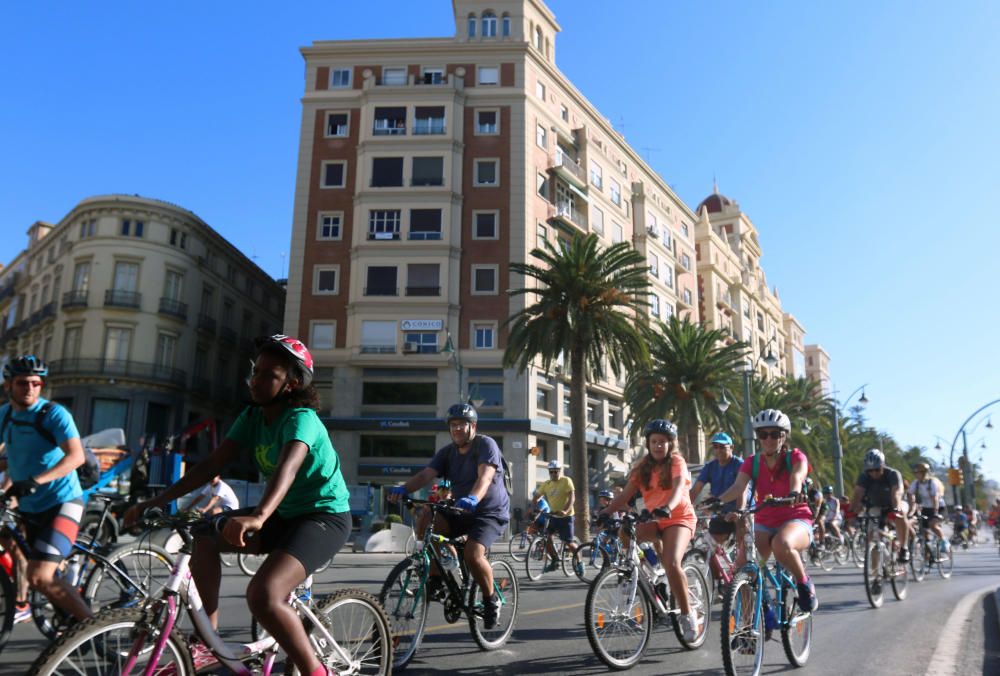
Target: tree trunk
(578, 442)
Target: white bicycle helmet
(874, 459)
(554, 464)
(772, 417)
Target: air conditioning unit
(411, 348)
(653, 231)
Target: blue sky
(861, 139)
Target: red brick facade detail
(470, 72)
(506, 75)
(322, 78)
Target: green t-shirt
(319, 484)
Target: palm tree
(586, 303)
(691, 367)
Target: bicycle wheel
(592, 562)
(505, 587)
(7, 600)
(699, 558)
(405, 602)
(945, 562)
(89, 527)
(858, 546)
(742, 626)
(619, 618)
(841, 552)
(249, 563)
(899, 578)
(826, 560)
(796, 629)
(700, 600)
(323, 566)
(129, 575)
(103, 643)
(918, 559)
(356, 622)
(537, 558)
(873, 574)
(518, 546)
(228, 559)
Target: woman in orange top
(663, 479)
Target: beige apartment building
(144, 313)
(427, 166)
(733, 293)
(818, 367)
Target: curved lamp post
(838, 449)
(969, 487)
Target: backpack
(756, 470)
(508, 481)
(88, 473)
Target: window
(425, 224)
(378, 336)
(667, 239)
(505, 30)
(207, 300)
(760, 321)
(542, 403)
(126, 277)
(617, 235)
(485, 224)
(541, 234)
(654, 265)
(88, 228)
(472, 25)
(321, 335)
(539, 40)
(129, 227)
(487, 172)
(540, 89)
(383, 223)
(334, 174)
(381, 281)
(116, 344)
(597, 220)
(654, 305)
(166, 350)
(330, 224)
(423, 279)
(325, 279)
(81, 277)
(687, 296)
(387, 172)
(413, 446)
(393, 76)
(484, 280)
(616, 192)
(564, 112)
(432, 76)
(428, 171)
(596, 175)
(541, 138)
(173, 285)
(484, 336)
(71, 342)
(685, 261)
(337, 124)
(542, 186)
(178, 238)
(340, 78)
(668, 276)
(490, 393)
(424, 342)
(685, 231)
(489, 25)
(489, 75)
(390, 121)
(395, 393)
(428, 120)
(487, 122)
(108, 413)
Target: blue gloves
(398, 490)
(468, 503)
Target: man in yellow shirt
(560, 493)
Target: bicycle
(719, 558)
(748, 604)
(517, 547)
(828, 552)
(881, 564)
(928, 551)
(626, 600)
(348, 629)
(596, 556)
(404, 594)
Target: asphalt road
(849, 636)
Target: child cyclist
(663, 479)
(781, 472)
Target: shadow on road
(991, 633)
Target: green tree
(586, 304)
(691, 366)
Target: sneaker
(578, 568)
(22, 612)
(945, 546)
(904, 555)
(689, 627)
(770, 618)
(808, 602)
(549, 567)
(435, 588)
(491, 612)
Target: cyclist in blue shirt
(719, 475)
(41, 451)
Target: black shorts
(313, 538)
(561, 526)
(483, 529)
(928, 513)
(719, 526)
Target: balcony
(10, 287)
(117, 298)
(12, 333)
(228, 335)
(74, 299)
(206, 324)
(428, 126)
(48, 311)
(118, 368)
(423, 291)
(383, 235)
(568, 169)
(173, 308)
(381, 291)
(569, 215)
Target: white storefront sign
(422, 324)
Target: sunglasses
(869, 471)
(720, 445)
(769, 435)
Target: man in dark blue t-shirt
(719, 475)
(473, 465)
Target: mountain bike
(518, 545)
(881, 564)
(594, 557)
(539, 561)
(405, 594)
(756, 591)
(929, 551)
(348, 629)
(626, 600)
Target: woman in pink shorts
(663, 479)
(781, 471)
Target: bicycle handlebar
(446, 506)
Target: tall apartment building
(818, 367)
(427, 166)
(733, 293)
(144, 313)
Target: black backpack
(89, 472)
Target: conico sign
(422, 324)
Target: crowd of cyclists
(303, 517)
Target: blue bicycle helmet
(606, 494)
(660, 427)
(722, 438)
(26, 365)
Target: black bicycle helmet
(466, 412)
(25, 365)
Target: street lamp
(749, 369)
(456, 360)
(838, 449)
(969, 490)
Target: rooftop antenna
(281, 272)
(647, 150)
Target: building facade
(425, 168)
(144, 313)
(818, 367)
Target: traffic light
(954, 476)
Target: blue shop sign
(389, 470)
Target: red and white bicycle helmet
(293, 347)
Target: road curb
(946, 653)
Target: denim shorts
(758, 528)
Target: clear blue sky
(861, 138)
